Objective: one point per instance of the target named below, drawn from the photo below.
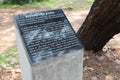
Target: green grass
(9, 58)
(80, 4)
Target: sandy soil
(96, 67)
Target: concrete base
(65, 67)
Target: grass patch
(9, 58)
(78, 5)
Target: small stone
(105, 48)
(117, 67)
(13, 61)
(109, 77)
(100, 58)
(106, 73)
(88, 68)
(94, 78)
(18, 71)
(99, 65)
(86, 58)
(97, 74)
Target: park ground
(103, 65)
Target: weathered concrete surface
(65, 67)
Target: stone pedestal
(51, 62)
(64, 67)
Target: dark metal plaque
(47, 34)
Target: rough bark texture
(101, 24)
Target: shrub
(15, 1)
(23, 1)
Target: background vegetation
(51, 4)
(20, 2)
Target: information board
(46, 34)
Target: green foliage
(15, 1)
(37, 0)
(31, 4)
(23, 1)
(9, 58)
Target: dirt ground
(96, 67)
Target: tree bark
(101, 24)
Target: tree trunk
(101, 24)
